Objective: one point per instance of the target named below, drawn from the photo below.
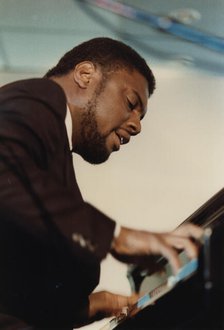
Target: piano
(194, 298)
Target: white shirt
(68, 124)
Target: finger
(184, 243)
(133, 299)
(189, 230)
(172, 256)
(130, 301)
(123, 301)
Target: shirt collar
(68, 124)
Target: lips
(123, 137)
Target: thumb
(133, 299)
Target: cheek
(111, 124)
(106, 123)
(111, 115)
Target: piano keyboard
(148, 299)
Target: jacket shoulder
(40, 89)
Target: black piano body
(197, 302)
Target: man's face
(112, 115)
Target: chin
(94, 152)
(95, 159)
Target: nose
(134, 124)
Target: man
(53, 241)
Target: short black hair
(107, 53)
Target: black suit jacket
(51, 241)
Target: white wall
(169, 170)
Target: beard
(92, 144)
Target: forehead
(132, 82)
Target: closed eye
(131, 105)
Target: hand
(134, 245)
(105, 304)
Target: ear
(83, 73)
